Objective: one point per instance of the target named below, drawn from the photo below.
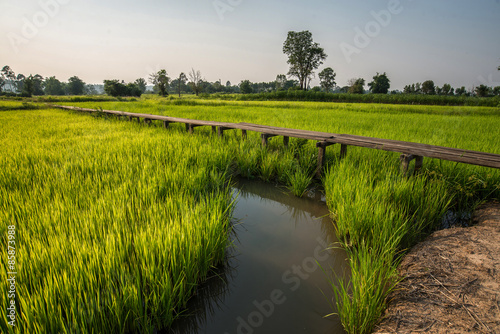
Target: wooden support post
(405, 163)
(321, 156)
(419, 162)
(130, 118)
(343, 150)
(214, 129)
(265, 137)
(286, 139)
(190, 127)
(220, 131)
(147, 121)
(244, 134)
(165, 124)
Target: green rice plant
(103, 213)
(268, 164)
(299, 181)
(247, 160)
(378, 213)
(362, 298)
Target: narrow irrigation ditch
(275, 277)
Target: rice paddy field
(115, 223)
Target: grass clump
(378, 215)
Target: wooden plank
(287, 130)
(477, 160)
(412, 145)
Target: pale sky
(448, 41)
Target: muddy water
(271, 281)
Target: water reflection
(272, 281)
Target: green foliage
(482, 90)
(434, 100)
(117, 204)
(304, 55)
(378, 215)
(141, 84)
(380, 84)
(181, 81)
(428, 87)
(327, 79)
(160, 80)
(32, 85)
(116, 88)
(76, 86)
(246, 87)
(357, 86)
(53, 86)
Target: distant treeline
(300, 95)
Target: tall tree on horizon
(304, 56)
(428, 87)
(246, 87)
(356, 86)
(380, 84)
(9, 77)
(195, 81)
(160, 79)
(327, 79)
(482, 90)
(76, 86)
(181, 81)
(52, 86)
(141, 84)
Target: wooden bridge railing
(409, 150)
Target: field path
(451, 281)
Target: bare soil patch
(451, 281)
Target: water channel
(271, 281)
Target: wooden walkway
(409, 151)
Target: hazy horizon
(447, 41)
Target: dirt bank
(451, 281)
